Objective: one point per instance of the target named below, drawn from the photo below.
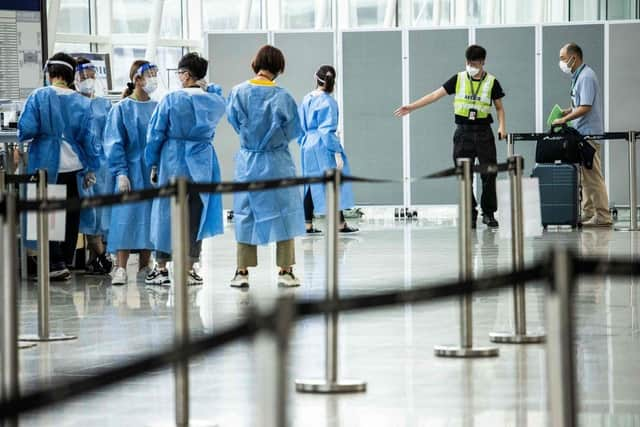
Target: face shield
(152, 84)
(87, 82)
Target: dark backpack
(565, 145)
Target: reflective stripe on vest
(464, 99)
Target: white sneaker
(288, 279)
(119, 276)
(158, 277)
(240, 280)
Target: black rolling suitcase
(559, 193)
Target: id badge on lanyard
(473, 113)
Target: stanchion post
(466, 348)
(180, 216)
(510, 147)
(44, 297)
(560, 350)
(331, 383)
(520, 335)
(9, 343)
(633, 183)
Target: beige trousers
(285, 254)
(595, 200)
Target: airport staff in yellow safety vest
(475, 91)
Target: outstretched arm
(422, 102)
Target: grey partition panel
(230, 58)
(624, 64)
(372, 67)
(516, 73)
(434, 56)
(304, 53)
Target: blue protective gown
(266, 119)
(125, 139)
(319, 144)
(95, 221)
(50, 115)
(179, 142)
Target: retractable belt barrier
(183, 348)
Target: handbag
(564, 144)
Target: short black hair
(574, 49)
(269, 58)
(195, 64)
(475, 53)
(62, 71)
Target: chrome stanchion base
(50, 338)
(323, 387)
(23, 346)
(626, 229)
(510, 338)
(192, 423)
(464, 352)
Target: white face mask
(150, 85)
(564, 67)
(87, 86)
(473, 71)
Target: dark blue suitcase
(559, 193)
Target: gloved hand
(339, 161)
(124, 185)
(89, 180)
(154, 175)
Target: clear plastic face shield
(153, 85)
(87, 82)
(45, 70)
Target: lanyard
(574, 80)
(476, 91)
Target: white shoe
(240, 280)
(119, 276)
(157, 277)
(288, 279)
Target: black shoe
(490, 221)
(314, 232)
(106, 263)
(96, 268)
(348, 230)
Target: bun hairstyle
(326, 78)
(131, 84)
(62, 71)
(195, 64)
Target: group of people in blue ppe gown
(140, 143)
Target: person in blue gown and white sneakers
(320, 149)
(94, 222)
(57, 122)
(179, 144)
(265, 117)
(125, 141)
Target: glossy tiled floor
(391, 349)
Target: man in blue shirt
(587, 117)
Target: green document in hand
(556, 113)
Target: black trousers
(61, 253)
(195, 215)
(478, 142)
(308, 208)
